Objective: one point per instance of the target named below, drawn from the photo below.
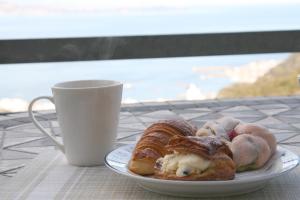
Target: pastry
(196, 158)
(259, 131)
(252, 146)
(221, 127)
(152, 144)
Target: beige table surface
(46, 174)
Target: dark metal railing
(154, 46)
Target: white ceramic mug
(88, 115)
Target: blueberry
(158, 164)
(185, 172)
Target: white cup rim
(86, 84)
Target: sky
(130, 5)
(77, 18)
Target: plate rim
(176, 182)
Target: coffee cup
(88, 115)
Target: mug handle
(39, 126)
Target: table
(33, 169)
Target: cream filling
(183, 164)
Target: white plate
(282, 162)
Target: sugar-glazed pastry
(252, 147)
(259, 131)
(152, 144)
(221, 127)
(196, 158)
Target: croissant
(152, 144)
(196, 158)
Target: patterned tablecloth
(48, 176)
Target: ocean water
(144, 79)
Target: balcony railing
(151, 46)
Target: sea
(144, 79)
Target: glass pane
(148, 79)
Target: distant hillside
(280, 80)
